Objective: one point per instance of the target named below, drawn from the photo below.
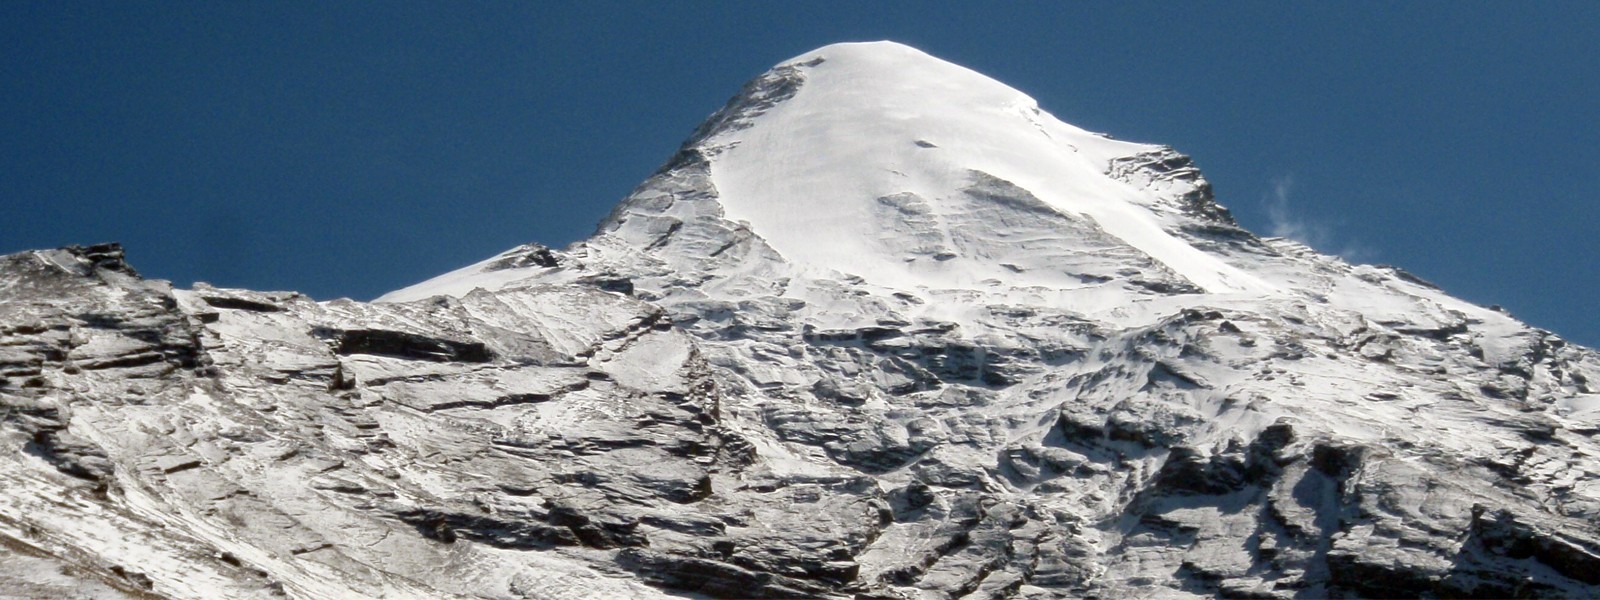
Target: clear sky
(351, 148)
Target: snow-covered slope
(880, 161)
(881, 328)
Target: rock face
(881, 329)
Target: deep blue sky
(347, 148)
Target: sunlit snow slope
(885, 121)
(868, 169)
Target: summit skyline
(346, 152)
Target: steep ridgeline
(880, 329)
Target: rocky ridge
(1016, 386)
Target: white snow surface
(806, 176)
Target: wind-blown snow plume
(1286, 222)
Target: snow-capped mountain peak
(880, 161)
(880, 329)
(906, 169)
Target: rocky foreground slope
(880, 329)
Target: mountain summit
(881, 328)
(878, 160)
